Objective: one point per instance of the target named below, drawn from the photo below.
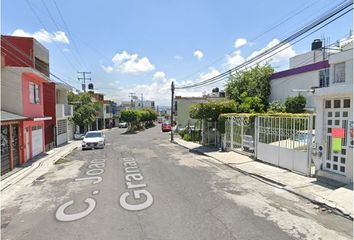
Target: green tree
(211, 110)
(85, 110)
(251, 85)
(295, 104)
(131, 117)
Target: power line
(69, 33)
(261, 34)
(21, 61)
(308, 27)
(40, 21)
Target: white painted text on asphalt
(136, 191)
(96, 168)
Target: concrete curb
(313, 199)
(51, 159)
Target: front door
(37, 140)
(337, 117)
(27, 142)
(5, 149)
(15, 145)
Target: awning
(41, 118)
(7, 116)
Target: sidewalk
(42, 164)
(321, 193)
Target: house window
(324, 78)
(339, 73)
(34, 93)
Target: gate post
(256, 136)
(242, 122)
(232, 133)
(309, 143)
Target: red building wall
(49, 111)
(32, 109)
(17, 51)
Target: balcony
(64, 110)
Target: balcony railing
(64, 110)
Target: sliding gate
(285, 141)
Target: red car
(166, 127)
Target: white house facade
(333, 150)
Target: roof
(7, 116)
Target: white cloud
(131, 63)
(240, 42)
(280, 58)
(107, 69)
(43, 36)
(159, 76)
(198, 54)
(177, 57)
(66, 50)
(212, 73)
(234, 59)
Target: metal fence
(240, 134)
(284, 141)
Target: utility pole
(142, 100)
(172, 108)
(131, 95)
(83, 78)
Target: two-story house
(333, 150)
(24, 70)
(107, 114)
(64, 127)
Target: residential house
(333, 149)
(24, 71)
(325, 78)
(306, 72)
(11, 141)
(107, 114)
(182, 106)
(99, 123)
(64, 128)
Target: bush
(276, 106)
(295, 104)
(187, 137)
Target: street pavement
(141, 186)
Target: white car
(123, 125)
(93, 139)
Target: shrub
(295, 104)
(276, 106)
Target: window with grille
(62, 127)
(34, 93)
(339, 73)
(324, 78)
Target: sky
(141, 46)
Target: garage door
(37, 140)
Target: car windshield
(93, 135)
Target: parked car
(79, 136)
(123, 125)
(166, 127)
(93, 139)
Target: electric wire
(307, 28)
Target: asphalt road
(141, 186)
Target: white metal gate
(240, 134)
(37, 140)
(338, 116)
(285, 141)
